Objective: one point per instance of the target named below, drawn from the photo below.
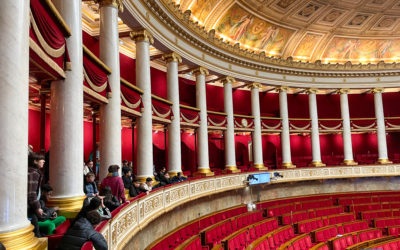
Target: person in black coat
(109, 200)
(83, 231)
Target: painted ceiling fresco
(360, 31)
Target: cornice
(208, 42)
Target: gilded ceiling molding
(200, 71)
(311, 91)
(172, 57)
(141, 35)
(227, 79)
(254, 85)
(343, 91)
(282, 89)
(114, 3)
(377, 90)
(285, 66)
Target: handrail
(372, 243)
(291, 241)
(130, 85)
(189, 107)
(58, 17)
(97, 60)
(243, 116)
(216, 113)
(158, 98)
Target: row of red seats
(292, 207)
(342, 242)
(395, 230)
(324, 234)
(370, 215)
(310, 214)
(177, 237)
(386, 222)
(272, 240)
(300, 243)
(310, 225)
(357, 208)
(346, 201)
(392, 245)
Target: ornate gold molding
(141, 35)
(282, 89)
(343, 91)
(254, 85)
(203, 172)
(114, 3)
(317, 164)
(227, 79)
(260, 167)
(69, 206)
(172, 57)
(311, 91)
(288, 165)
(349, 163)
(200, 71)
(21, 239)
(232, 169)
(377, 90)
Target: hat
(148, 179)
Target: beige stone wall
(194, 209)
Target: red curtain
(96, 75)
(241, 122)
(275, 124)
(131, 96)
(216, 120)
(162, 109)
(189, 115)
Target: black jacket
(112, 203)
(80, 233)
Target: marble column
(315, 145)
(144, 129)
(380, 131)
(230, 157)
(110, 113)
(203, 165)
(66, 120)
(285, 135)
(15, 228)
(174, 128)
(347, 145)
(258, 162)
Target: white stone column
(257, 139)
(66, 119)
(15, 229)
(203, 165)
(285, 135)
(144, 156)
(110, 113)
(380, 131)
(315, 146)
(347, 145)
(174, 128)
(230, 156)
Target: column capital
(141, 35)
(311, 91)
(377, 90)
(114, 3)
(200, 71)
(227, 79)
(254, 85)
(343, 91)
(172, 57)
(282, 89)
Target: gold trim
(232, 169)
(377, 90)
(130, 85)
(282, 89)
(142, 35)
(153, 96)
(343, 91)
(384, 161)
(227, 79)
(216, 113)
(317, 164)
(21, 239)
(288, 165)
(270, 118)
(58, 16)
(95, 95)
(172, 57)
(156, 118)
(189, 107)
(254, 85)
(35, 47)
(142, 179)
(130, 111)
(203, 172)
(114, 3)
(243, 116)
(311, 91)
(69, 206)
(97, 60)
(200, 71)
(349, 163)
(260, 167)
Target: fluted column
(315, 145)
(285, 135)
(257, 140)
(110, 113)
(143, 39)
(66, 119)
(347, 145)
(174, 128)
(203, 164)
(230, 157)
(381, 131)
(15, 228)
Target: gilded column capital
(142, 35)
(114, 3)
(377, 90)
(172, 57)
(311, 91)
(282, 89)
(343, 91)
(200, 71)
(227, 79)
(254, 85)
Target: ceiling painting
(306, 47)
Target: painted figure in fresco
(383, 48)
(349, 47)
(238, 29)
(268, 36)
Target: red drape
(131, 96)
(161, 109)
(241, 122)
(189, 116)
(216, 120)
(96, 75)
(271, 124)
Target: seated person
(83, 231)
(178, 178)
(90, 187)
(148, 185)
(109, 200)
(127, 177)
(136, 189)
(165, 180)
(125, 166)
(88, 167)
(95, 203)
(49, 221)
(115, 183)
